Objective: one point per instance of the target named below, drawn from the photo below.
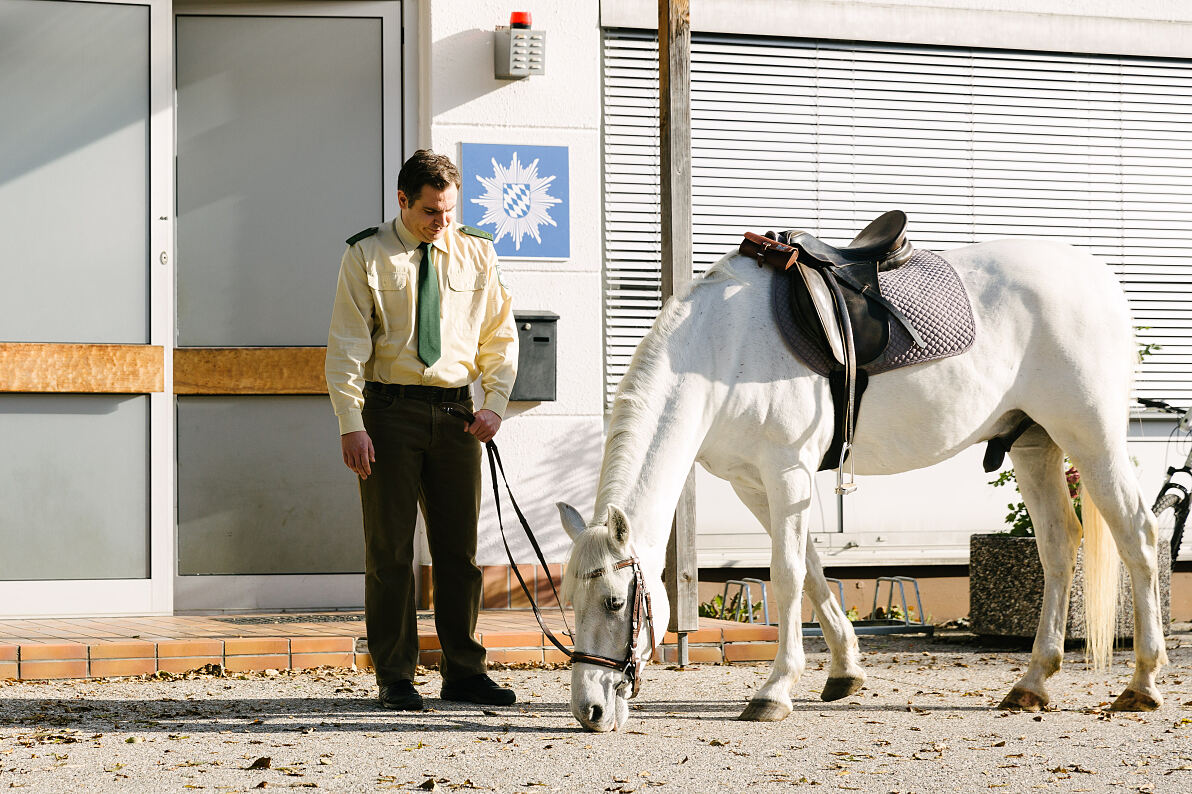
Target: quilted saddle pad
(926, 289)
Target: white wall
(551, 449)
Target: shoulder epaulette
(358, 236)
(472, 230)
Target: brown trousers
(424, 459)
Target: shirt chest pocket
(462, 280)
(389, 279)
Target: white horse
(714, 382)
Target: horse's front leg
(789, 499)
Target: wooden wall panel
(101, 369)
(249, 370)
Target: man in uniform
(420, 313)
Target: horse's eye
(612, 603)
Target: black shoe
(478, 689)
(401, 696)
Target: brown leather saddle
(837, 299)
(859, 312)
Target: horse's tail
(1100, 585)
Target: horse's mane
(638, 396)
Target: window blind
(973, 144)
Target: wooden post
(674, 88)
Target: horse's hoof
(1133, 700)
(838, 688)
(1023, 700)
(764, 711)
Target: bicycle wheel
(1177, 532)
(1166, 502)
(1178, 503)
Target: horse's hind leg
(1108, 478)
(1038, 466)
(845, 675)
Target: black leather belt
(430, 394)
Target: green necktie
(429, 346)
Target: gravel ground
(925, 722)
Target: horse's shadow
(275, 718)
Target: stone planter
(1006, 589)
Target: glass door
(289, 140)
(86, 321)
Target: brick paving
(45, 648)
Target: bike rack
(813, 629)
(745, 596)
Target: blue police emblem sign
(521, 195)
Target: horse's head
(604, 583)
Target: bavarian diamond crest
(516, 200)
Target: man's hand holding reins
(486, 425)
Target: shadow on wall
(469, 52)
(557, 463)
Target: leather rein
(642, 614)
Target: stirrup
(845, 488)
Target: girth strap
(836, 382)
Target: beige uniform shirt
(374, 323)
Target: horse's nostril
(595, 714)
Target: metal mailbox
(537, 359)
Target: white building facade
(165, 443)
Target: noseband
(631, 666)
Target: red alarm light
(519, 19)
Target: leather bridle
(631, 666)
(641, 614)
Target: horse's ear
(573, 522)
(618, 525)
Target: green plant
(1145, 348)
(895, 613)
(715, 609)
(1018, 518)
